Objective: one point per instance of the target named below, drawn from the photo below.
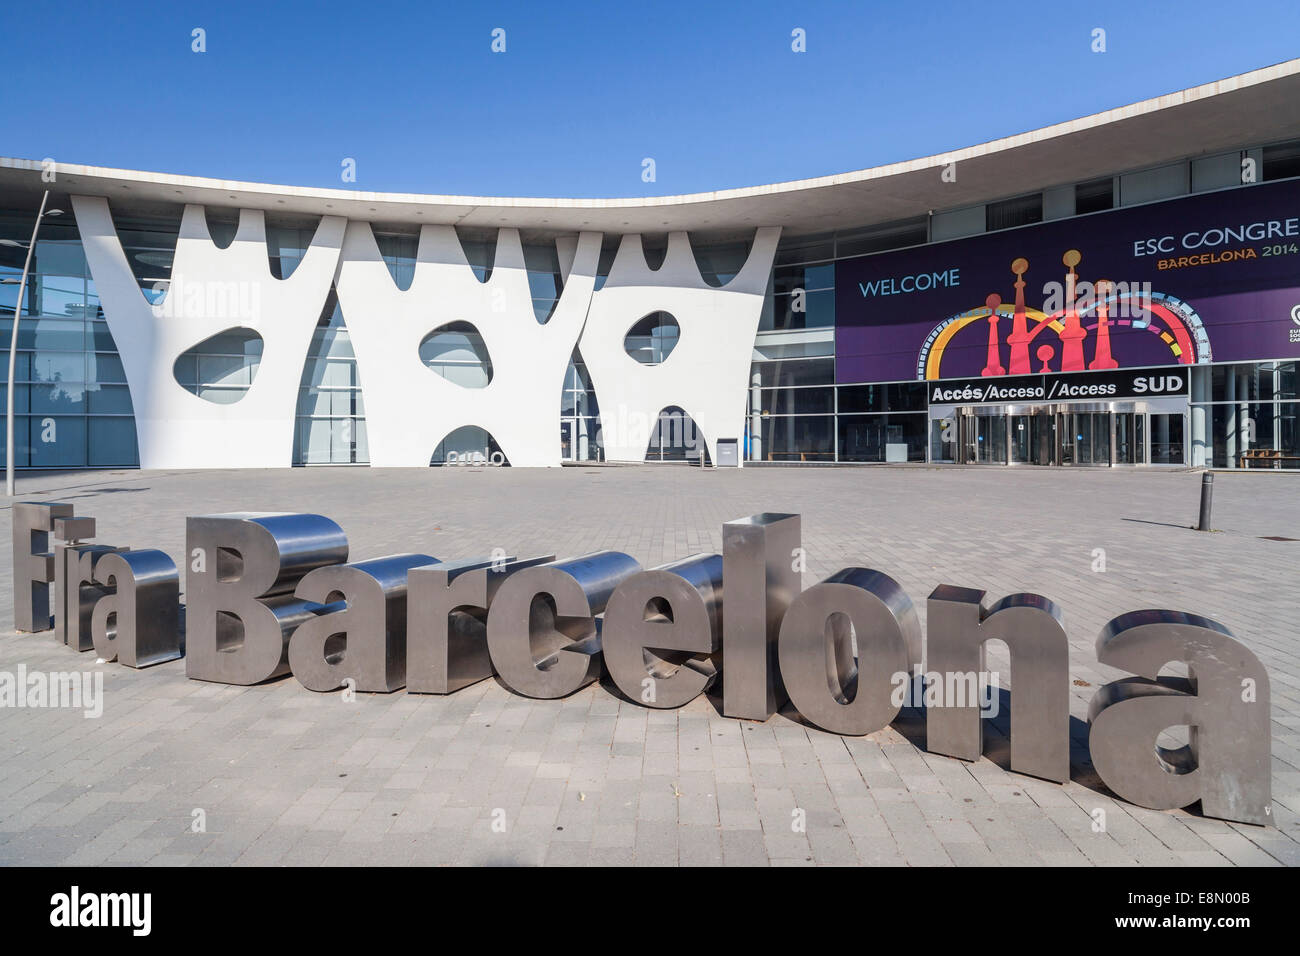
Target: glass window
(797, 401)
(805, 249)
(1167, 439)
(801, 371)
(99, 338)
(57, 366)
(1254, 381)
(43, 333)
(112, 443)
(1257, 430)
(870, 437)
(895, 235)
(62, 398)
(1281, 161)
(811, 310)
(108, 400)
(786, 279)
(57, 441)
(800, 438)
(1094, 196)
(896, 397)
(1010, 213)
(720, 263)
(104, 367)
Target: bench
(1270, 456)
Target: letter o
(817, 664)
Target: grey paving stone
(289, 777)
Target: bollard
(1207, 499)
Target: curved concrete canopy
(1254, 107)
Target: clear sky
(584, 92)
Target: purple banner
(1181, 282)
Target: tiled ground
(284, 775)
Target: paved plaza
(278, 774)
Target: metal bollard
(1207, 499)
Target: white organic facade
(409, 407)
(234, 289)
(707, 373)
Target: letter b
(240, 609)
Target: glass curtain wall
(806, 418)
(1253, 415)
(331, 418)
(72, 406)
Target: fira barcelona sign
(271, 594)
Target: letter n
(958, 626)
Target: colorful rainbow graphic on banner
(1174, 321)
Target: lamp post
(13, 342)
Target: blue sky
(584, 92)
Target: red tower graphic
(1019, 337)
(1074, 333)
(1102, 359)
(993, 364)
(1028, 353)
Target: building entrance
(1076, 434)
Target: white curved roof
(1255, 107)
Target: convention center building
(1119, 290)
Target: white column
(1202, 454)
(1230, 393)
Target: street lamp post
(13, 345)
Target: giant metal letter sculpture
(663, 630)
(759, 557)
(70, 533)
(446, 621)
(240, 607)
(81, 592)
(33, 562)
(366, 640)
(137, 624)
(826, 683)
(1224, 702)
(542, 631)
(957, 628)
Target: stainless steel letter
(33, 562)
(68, 533)
(240, 606)
(1224, 702)
(138, 623)
(957, 627)
(79, 591)
(826, 683)
(542, 632)
(664, 627)
(366, 639)
(759, 555)
(446, 621)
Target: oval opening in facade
(456, 351)
(220, 369)
(652, 339)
